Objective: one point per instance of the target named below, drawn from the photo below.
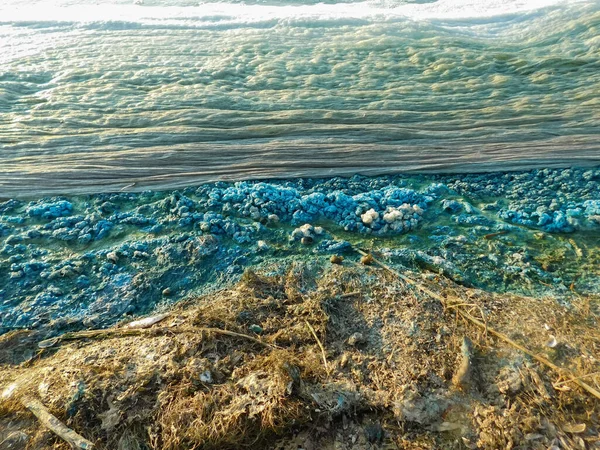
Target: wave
(231, 14)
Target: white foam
(224, 13)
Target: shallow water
(96, 96)
(87, 260)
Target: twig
(312, 330)
(497, 233)
(587, 375)
(474, 305)
(483, 325)
(125, 332)
(403, 277)
(350, 294)
(55, 425)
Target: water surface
(104, 95)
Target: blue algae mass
(155, 150)
(100, 95)
(82, 261)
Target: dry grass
(392, 388)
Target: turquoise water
(106, 95)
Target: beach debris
(574, 428)
(16, 439)
(448, 426)
(55, 425)
(125, 331)
(147, 321)
(421, 409)
(9, 390)
(463, 376)
(255, 328)
(356, 339)
(551, 342)
(344, 360)
(509, 381)
(206, 377)
(336, 259)
(466, 315)
(111, 417)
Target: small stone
(273, 218)
(262, 246)
(306, 240)
(255, 328)
(356, 339)
(112, 257)
(552, 342)
(336, 259)
(166, 292)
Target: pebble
(255, 328)
(336, 259)
(262, 246)
(356, 339)
(112, 257)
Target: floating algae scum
(473, 323)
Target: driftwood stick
(565, 372)
(124, 332)
(55, 425)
